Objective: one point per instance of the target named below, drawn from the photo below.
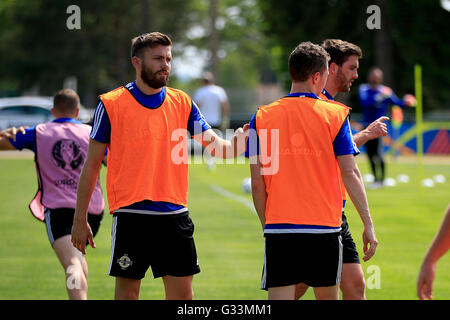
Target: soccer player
(60, 149)
(343, 70)
(375, 98)
(438, 248)
(296, 147)
(145, 125)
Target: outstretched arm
(81, 231)
(7, 134)
(224, 148)
(376, 129)
(355, 187)
(439, 246)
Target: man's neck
(304, 87)
(146, 89)
(331, 89)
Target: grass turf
(228, 237)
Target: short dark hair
(148, 40)
(307, 59)
(66, 101)
(340, 50)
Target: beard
(344, 84)
(151, 78)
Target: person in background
(60, 149)
(375, 98)
(213, 103)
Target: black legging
(374, 150)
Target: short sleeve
(197, 122)
(101, 126)
(25, 141)
(343, 143)
(252, 148)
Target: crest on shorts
(124, 261)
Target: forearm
(5, 144)
(355, 188)
(259, 200)
(259, 194)
(86, 186)
(222, 148)
(88, 178)
(361, 138)
(441, 242)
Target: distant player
(296, 147)
(343, 69)
(60, 149)
(213, 103)
(374, 98)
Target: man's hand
(81, 234)
(425, 281)
(11, 133)
(377, 128)
(370, 243)
(239, 140)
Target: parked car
(30, 111)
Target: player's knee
(354, 289)
(127, 295)
(185, 294)
(300, 290)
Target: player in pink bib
(60, 149)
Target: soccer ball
(247, 185)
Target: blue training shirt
(374, 102)
(101, 132)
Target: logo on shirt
(67, 153)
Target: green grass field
(228, 237)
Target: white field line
(235, 197)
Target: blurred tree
(37, 48)
(411, 32)
(237, 48)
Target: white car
(30, 111)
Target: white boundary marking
(235, 197)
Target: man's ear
(333, 68)
(136, 62)
(315, 77)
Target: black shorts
(164, 242)
(349, 252)
(291, 258)
(59, 222)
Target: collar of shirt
(327, 94)
(61, 120)
(302, 95)
(150, 101)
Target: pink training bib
(61, 149)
